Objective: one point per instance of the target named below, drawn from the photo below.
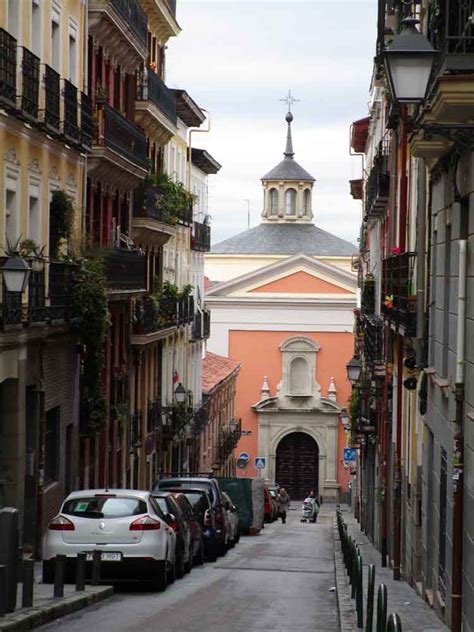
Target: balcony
(161, 18)
(226, 443)
(368, 295)
(71, 107)
(155, 107)
(30, 70)
(52, 100)
(451, 33)
(119, 151)
(121, 28)
(377, 186)
(151, 223)
(201, 237)
(356, 189)
(373, 342)
(155, 416)
(125, 270)
(200, 420)
(136, 429)
(87, 123)
(197, 327)
(153, 319)
(207, 324)
(185, 310)
(8, 69)
(399, 293)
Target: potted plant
(30, 250)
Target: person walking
(283, 504)
(316, 505)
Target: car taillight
(61, 523)
(145, 523)
(219, 516)
(207, 518)
(174, 525)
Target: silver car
(127, 526)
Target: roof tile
(215, 369)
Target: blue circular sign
(245, 456)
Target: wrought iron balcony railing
(200, 419)
(185, 215)
(30, 71)
(8, 68)
(52, 100)
(172, 6)
(134, 17)
(377, 185)
(87, 124)
(136, 429)
(121, 135)
(197, 327)
(207, 323)
(70, 124)
(154, 315)
(125, 269)
(450, 27)
(155, 418)
(147, 202)
(201, 237)
(185, 310)
(373, 341)
(398, 291)
(151, 88)
(368, 296)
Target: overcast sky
(237, 59)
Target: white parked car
(126, 525)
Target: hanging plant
(61, 214)
(90, 304)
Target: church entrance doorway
(297, 465)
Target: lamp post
(353, 368)
(180, 394)
(15, 274)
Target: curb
(33, 617)
(345, 605)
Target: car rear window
(110, 507)
(196, 484)
(162, 504)
(198, 501)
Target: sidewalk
(46, 608)
(415, 614)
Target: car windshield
(162, 504)
(197, 500)
(100, 507)
(177, 484)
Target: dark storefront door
(297, 462)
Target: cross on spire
(289, 100)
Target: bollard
(2, 591)
(59, 572)
(96, 557)
(354, 578)
(28, 582)
(81, 571)
(360, 594)
(394, 623)
(382, 608)
(370, 598)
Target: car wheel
(160, 580)
(222, 549)
(237, 536)
(179, 565)
(48, 571)
(199, 558)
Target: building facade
(413, 402)
(283, 309)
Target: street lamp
(345, 419)
(15, 274)
(408, 62)
(180, 394)
(353, 368)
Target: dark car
(194, 524)
(175, 518)
(215, 495)
(202, 507)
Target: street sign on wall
(260, 462)
(350, 454)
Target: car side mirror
(169, 517)
(233, 508)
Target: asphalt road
(277, 581)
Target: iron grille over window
(71, 128)
(124, 137)
(52, 99)
(7, 68)
(151, 87)
(30, 94)
(87, 127)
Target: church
(282, 296)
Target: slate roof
(285, 239)
(288, 169)
(215, 369)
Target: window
(299, 377)
(290, 202)
(273, 202)
(72, 54)
(51, 445)
(55, 42)
(108, 507)
(11, 216)
(34, 219)
(14, 18)
(307, 202)
(447, 292)
(36, 27)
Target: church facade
(282, 297)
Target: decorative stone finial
(332, 390)
(265, 388)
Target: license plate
(106, 556)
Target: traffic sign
(244, 455)
(260, 462)
(350, 454)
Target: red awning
(359, 132)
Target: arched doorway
(297, 463)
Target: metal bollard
(96, 557)
(2, 590)
(394, 623)
(382, 608)
(59, 572)
(354, 578)
(370, 598)
(28, 582)
(360, 594)
(81, 571)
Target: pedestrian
(283, 504)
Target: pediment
(299, 275)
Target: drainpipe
(458, 448)
(421, 265)
(397, 492)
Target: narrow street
(279, 581)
